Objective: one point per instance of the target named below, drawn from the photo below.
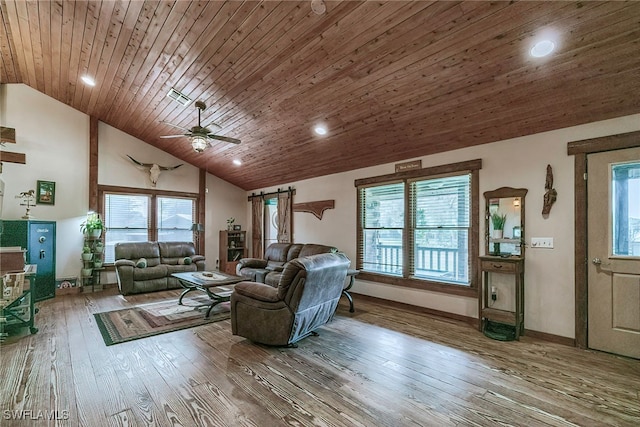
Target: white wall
(518, 162)
(55, 139)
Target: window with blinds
(174, 217)
(440, 210)
(136, 217)
(418, 230)
(383, 222)
(126, 220)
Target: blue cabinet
(39, 239)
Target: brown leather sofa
(305, 299)
(148, 266)
(269, 269)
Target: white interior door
(613, 198)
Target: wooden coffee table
(217, 285)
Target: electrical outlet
(542, 242)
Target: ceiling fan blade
(224, 138)
(174, 136)
(215, 125)
(175, 126)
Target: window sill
(452, 289)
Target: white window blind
(126, 220)
(174, 217)
(383, 222)
(440, 210)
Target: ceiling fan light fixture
(198, 143)
(318, 7)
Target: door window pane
(625, 209)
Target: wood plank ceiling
(391, 80)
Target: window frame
(152, 230)
(472, 167)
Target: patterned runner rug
(157, 318)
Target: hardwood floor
(379, 366)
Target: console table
(511, 265)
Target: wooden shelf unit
(232, 249)
(511, 265)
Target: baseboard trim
(557, 339)
(471, 321)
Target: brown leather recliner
(305, 299)
(269, 269)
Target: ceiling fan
(200, 136)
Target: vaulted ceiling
(390, 80)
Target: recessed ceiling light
(542, 48)
(320, 130)
(318, 7)
(88, 80)
(237, 162)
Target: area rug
(157, 318)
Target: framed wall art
(46, 193)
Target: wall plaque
(414, 164)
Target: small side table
(351, 274)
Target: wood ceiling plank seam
(99, 46)
(114, 28)
(367, 84)
(259, 51)
(153, 56)
(143, 21)
(55, 48)
(145, 56)
(449, 85)
(192, 85)
(123, 31)
(290, 50)
(44, 27)
(19, 21)
(188, 66)
(36, 45)
(79, 16)
(179, 61)
(391, 34)
(232, 118)
(263, 91)
(239, 30)
(392, 88)
(246, 47)
(158, 76)
(68, 12)
(8, 49)
(88, 44)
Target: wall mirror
(504, 222)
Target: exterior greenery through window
(140, 217)
(419, 230)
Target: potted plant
(86, 272)
(498, 220)
(97, 263)
(86, 253)
(99, 247)
(92, 226)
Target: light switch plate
(542, 242)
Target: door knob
(596, 261)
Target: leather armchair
(306, 298)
